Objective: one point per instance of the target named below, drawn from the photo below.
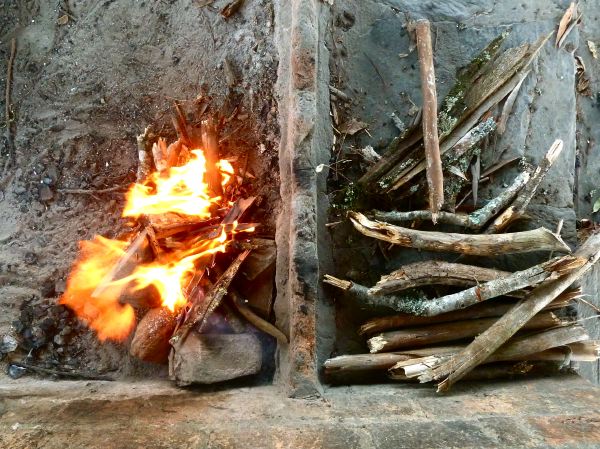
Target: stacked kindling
(493, 322)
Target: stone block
(212, 358)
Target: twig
(435, 176)
(92, 191)
(7, 106)
(61, 373)
(485, 345)
(540, 239)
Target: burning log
(210, 143)
(159, 153)
(475, 220)
(452, 331)
(540, 239)
(200, 310)
(483, 310)
(489, 341)
(435, 177)
(517, 209)
(151, 339)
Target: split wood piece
(443, 332)
(483, 310)
(151, 339)
(475, 220)
(210, 145)
(518, 280)
(159, 153)
(153, 241)
(434, 272)
(529, 347)
(504, 371)
(255, 320)
(170, 228)
(488, 342)
(117, 271)
(520, 203)
(212, 232)
(435, 177)
(508, 105)
(583, 351)
(383, 360)
(201, 310)
(490, 85)
(180, 124)
(145, 164)
(540, 239)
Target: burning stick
(488, 342)
(456, 330)
(144, 143)
(210, 144)
(201, 310)
(540, 239)
(435, 177)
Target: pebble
(45, 193)
(16, 372)
(59, 340)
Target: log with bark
(540, 239)
(451, 331)
(487, 309)
(489, 341)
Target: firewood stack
(501, 323)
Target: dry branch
(475, 220)
(540, 239)
(488, 342)
(498, 287)
(483, 310)
(435, 177)
(254, 319)
(434, 272)
(444, 332)
(517, 208)
(202, 309)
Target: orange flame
(181, 190)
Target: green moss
(350, 197)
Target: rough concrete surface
(151, 415)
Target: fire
(95, 296)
